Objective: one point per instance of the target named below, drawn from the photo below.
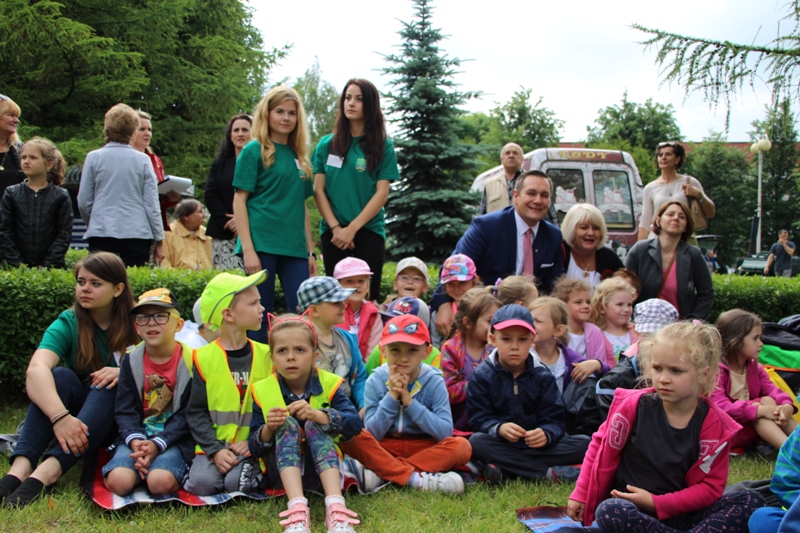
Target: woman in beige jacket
(187, 245)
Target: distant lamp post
(759, 147)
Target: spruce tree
(430, 207)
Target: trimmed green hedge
(33, 298)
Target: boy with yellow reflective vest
(221, 405)
(299, 413)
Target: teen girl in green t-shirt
(353, 169)
(272, 181)
(73, 403)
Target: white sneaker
(372, 481)
(449, 482)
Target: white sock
(330, 500)
(295, 501)
(415, 481)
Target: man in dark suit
(497, 242)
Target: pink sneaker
(297, 519)
(338, 519)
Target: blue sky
(579, 56)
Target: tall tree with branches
(719, 69)
(430, 206)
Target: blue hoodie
(427, 416)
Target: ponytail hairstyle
(374, 139)
(515, 289)
(298, 139)
(559, 313)
(50, 154)
(121, 333)
(473, 304)
(734, 326)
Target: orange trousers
(396, 459)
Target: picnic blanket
(546, 519)
(92, 483)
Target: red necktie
(527, 254)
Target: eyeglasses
(144, 319)
(415, 279)
(668, 143)
(409, 329)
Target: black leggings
(369, 246)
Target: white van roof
(535, 159)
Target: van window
(568, 185)
(612, 193)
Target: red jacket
(758, 385)
(369, 315)
(705, 480)
(158, 167)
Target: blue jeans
(170, 460)
(292, 271)
(93, 407)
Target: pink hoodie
(758, 385)
(705, 480)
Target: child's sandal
(338, 519)
(297, 519)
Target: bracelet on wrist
(58, 416)
(336, 226)
(312, 254)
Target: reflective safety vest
(267, 393)
(231, 415)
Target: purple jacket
(758, 384)
(571, 357)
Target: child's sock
(295, 501)
(8, 485)
(330, 500)
(415, 481)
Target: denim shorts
(170, 460)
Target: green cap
(219, 294)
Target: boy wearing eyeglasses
(407, 415)
(154, 444)
(410, 281)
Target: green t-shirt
(275, 205)
(348, 184)
(375, 360)
(61, 337)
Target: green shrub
(772, 298)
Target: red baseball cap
(405, 328)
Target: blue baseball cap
(407, 305)
(513, 315)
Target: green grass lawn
(392, 510)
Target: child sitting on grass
(155, 444)
(361, 315)
(515, 408)
(660, 463)
(221, 405)
(407, 305)
(744, 389)
(411, 281)
(457, 277)
(298, 415)
(584, 337)
(408, 438)
(467, 348)
(325, 300)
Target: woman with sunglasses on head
(671, 186)
(353, 168)
(219, 194)
(72, 380)
(10, 145)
